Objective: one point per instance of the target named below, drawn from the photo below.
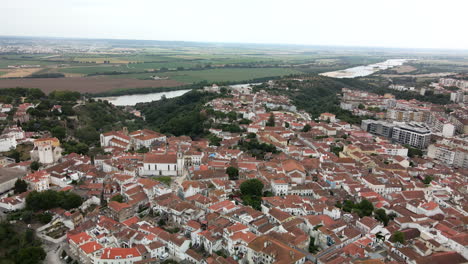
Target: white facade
(448, 130)
(7, 143)
(46, 154)
(163, 166)
(128, 260)
(279, 188)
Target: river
(133, 99)
(365, 70)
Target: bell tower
(180, 163)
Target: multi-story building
(378, 127)
(442, 153)
(413, 134)
(454, 156)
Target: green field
(219, 75)
(215, 75)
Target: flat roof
(7, 174)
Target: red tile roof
(113, 253)
(152, 158)
(91, 247)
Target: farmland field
(97, 66)
(232, 75)
(214, 75)
(18, 73)
(85, 85)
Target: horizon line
(244, 43)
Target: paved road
(53, 254)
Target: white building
(115, 139)
(162, 165)
(38, 181)
(7, 143)
(46, 150)
(279, 187)
(416, 135)
(145, 137)
(118, 256)
(448, 130)
(14, 131)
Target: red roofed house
(237, 243)
(162, 165)
(224, 206)
(295, 170)
(120, 211)
(146, 137)
(88, 251)
(115, 139)
(38, 181)
(77, 240)
(119, 256)
(327, 116)
(369, 225)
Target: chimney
(125, 131)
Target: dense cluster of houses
(440, 129)
(198, 216)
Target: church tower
(180, 163)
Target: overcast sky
(384, 23)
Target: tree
(382, 216)
(143, 149)
(398, 237)
(233, 173)
(361, 106)
(252, 187)
(427, 179)
(286, 124)
(232, 116)
(312, 247)
(251, 135)
(251, 191)
(20, 186)
(271, 120)
(365, 208)
(44, 218)
(413, 152)
(336, 150)
(58, 132)
(306, 128)
(35, 165)
(70, 200)
(15, 154)
(214, 140)
(30, 255)
(51, 199)
(118, 198)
